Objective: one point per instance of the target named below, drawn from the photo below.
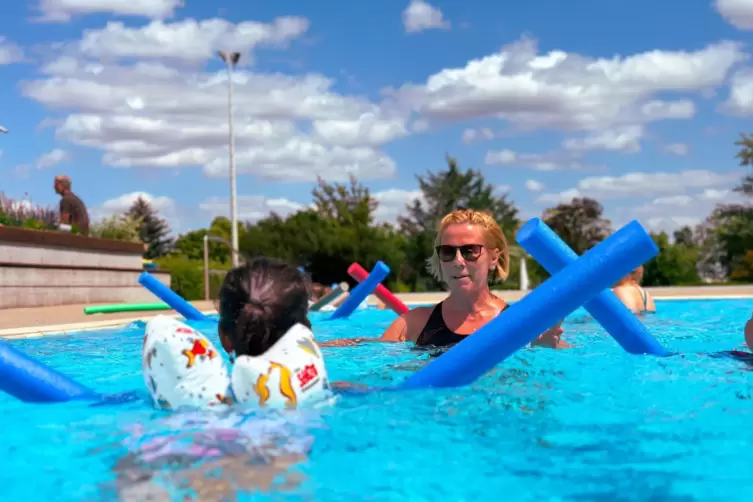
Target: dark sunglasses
(469, 252)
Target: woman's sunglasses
(469, 252)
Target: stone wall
(41, 268)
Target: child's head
(259, 302)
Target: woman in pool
(630, 292)
(470, 253)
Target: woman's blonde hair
(493, 236)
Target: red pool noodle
(359, 273)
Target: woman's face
(464, 258)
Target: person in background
(630, 292)
(72, 209)
(470, 253)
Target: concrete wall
(21, 253)
(37, 287)
(36, 274)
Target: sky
(637, 104)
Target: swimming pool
(589, 423)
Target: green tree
(745, 157)
(191, 244)
(580, 223)
(443, 192)
(675, 265)
(153, 230)
(685, 237)
(327, 238)
(727, 234)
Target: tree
(745, 156)
(580, 223)
(443, 192)
(684, 236)
(153, 230)
(727, 235)
(191, 244)
(674, 265)
(327, 238)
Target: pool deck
(35, 322)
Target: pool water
(585, 424)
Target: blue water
(586, 424)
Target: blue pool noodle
(170, 297)
(539, 310)
(553, 254)
(31, 381)
(359, 294)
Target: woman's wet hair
(260, 301)
(493, 235)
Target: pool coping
(426, 299)
(63, 329)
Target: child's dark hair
(260, 301)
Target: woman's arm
(749, 333)
(405, 328)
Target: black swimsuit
(436, 333)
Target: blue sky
(637, 104)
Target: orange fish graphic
(222, 399)
(199, 349)
(308, 345)
(286, 385)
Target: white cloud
(680, 149)
(570, 91)
(166, 208)
(534, 186)
(64, 10)
(549, 161)
(474, 135)
(164, 205)
(640, 184)
(52, 158)
(740, 99)
(623, 139)
(189, 40)
(250, 207)
(559, 198)
(158, 113)
(420, 16)
(668, 213)
(9, 52)
(392, 203)
(738, 13)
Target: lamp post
(233, 254)
(231, 59)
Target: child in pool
(264, 327)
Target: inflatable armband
(181, 367)
(290, 373)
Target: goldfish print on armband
(222, 399)
(199, 350)
(286, 385)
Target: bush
(117, 227)
(187, 276)
(25, 215)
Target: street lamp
(233, 254)
(231, 59)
